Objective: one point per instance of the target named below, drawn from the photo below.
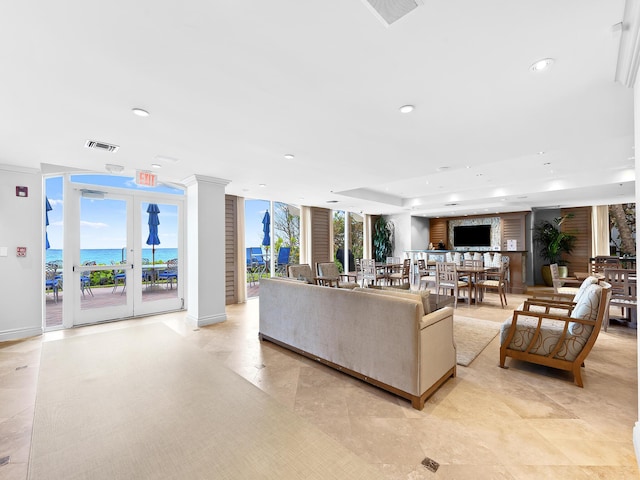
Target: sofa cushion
(546, 342)
(423, 299)
(583, 287)
(586, 309)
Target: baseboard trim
(208, 320)
(636, 441)
(20, 333)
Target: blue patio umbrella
(266, 226)
(48, 208)
(154, 221)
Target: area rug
(472, 335)
(143, 402)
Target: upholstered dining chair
(561, 285)
(447, 280)
(370, 273)
(495, 281)
(427, 275)
(401, 277)
(624, 293)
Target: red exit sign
(147, 179)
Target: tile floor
(517, 423)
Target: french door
(119, 269)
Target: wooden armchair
(557, 334)
(301, 272)
(330, 276)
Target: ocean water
(105, 256)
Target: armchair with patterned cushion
(554, 333)
(329, 275)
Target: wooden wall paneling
(513, 228)
(438, 232)
(231, 250)
(321, 248)
(580, 226)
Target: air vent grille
(107, 147)
(389, 11)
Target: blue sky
(103, 222)
(253, 214)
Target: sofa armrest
(435, 317)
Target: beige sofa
(383, 339)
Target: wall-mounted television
(472, 236)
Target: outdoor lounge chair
(283, 260)
(170, 274)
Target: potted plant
(553, 244)
(382, 239)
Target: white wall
(419, 233)
(21, 278)
(401, 233)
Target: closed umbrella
(48, 208)
(266, 227)
(154, 221)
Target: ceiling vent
(107, 147)
(389, 11)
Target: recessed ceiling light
(541, 153)
(332, 201)
(140, 112)
(156, 165)
(546, 163)
(289, 156)
(111, 168)
(442, 169)
(541, 65)
(262, 185)
(162, 158)
(407, 108)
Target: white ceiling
(232, 86)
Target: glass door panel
(159, 281)
(105, 266)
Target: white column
(600, 230)
(366, 237)
(242, 252)
(205, 249)
(272, 257)
(347, 240)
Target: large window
(355, 245)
